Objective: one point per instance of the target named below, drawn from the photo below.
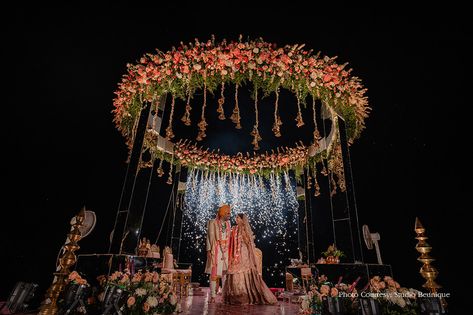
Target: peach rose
(333, 292)
(324, 289)
(148, 277)
(131, 301)
(155, 277)
(146, 307)
(73, 275)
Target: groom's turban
(223, 210)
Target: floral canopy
(266, 69)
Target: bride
(244, 285)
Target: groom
(218, 234)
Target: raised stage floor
(198, 304)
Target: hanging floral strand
(324, 169)
(186, 119)
(333, 184)
(169, 133)
(160, 170)
(235, 117)
(169, 182)
(203, 124)
(316, 183)
(338, 167)
(317, 136)
(309, 178)
(277, 118)
(221, 100)
(155, 116)
(299, 120)
(255, 132)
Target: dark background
(410, 161)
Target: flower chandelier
(207, 67)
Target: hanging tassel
(324, 169)
(203, 124)
(169, 182)
(186, 119)
(338, 168)
(317, 187)
(169, 133)
(155, 116)
(299, 120)
(277, 120)
(221, 100)
(316, 183)
(235, 117)
(160, 170)
(255, 133)
(333, 184)
(316, 133)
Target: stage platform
(199, 305)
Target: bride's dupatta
(247, 236)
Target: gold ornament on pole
(67, 260)
(427, 271)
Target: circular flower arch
(209, 66)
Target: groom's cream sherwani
(218, 233)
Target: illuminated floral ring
(208, 66)
(192, 156)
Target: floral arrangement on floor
(393, 299)
(149, 292)
(390, 296)
(75, 278)
(321, 289)
(120, 279)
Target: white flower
(173, 299)
(152, 301)
(197, 67)
(140, 292)
(312, 84)
(255, 50)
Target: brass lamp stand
(67, 260)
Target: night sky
(410, 161)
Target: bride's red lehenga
(244, 285)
